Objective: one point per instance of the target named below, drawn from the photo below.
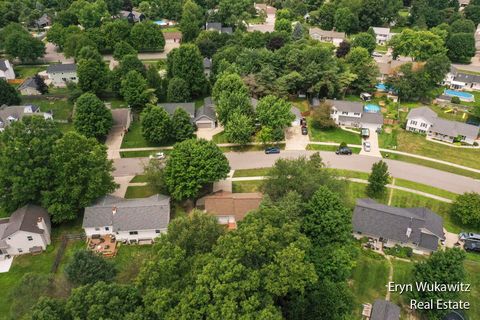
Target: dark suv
(344, 150)
(272, 150)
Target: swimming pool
(371, 108)
(464, 96)
(381, 87)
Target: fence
(63, 246)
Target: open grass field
(62, 109)
(334, 135)
(425, 188)
(246, 186)
(25, 71)
(260, 172)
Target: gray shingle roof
(18, 112)
(3, 65)
(214, 26)
(454, 128)
(207, 110)
(62, 67)
(131, 214)
(467, 78)
(370, 117)
(423, 112)
(385, 310)
(370, 217)
(326, 33)
(189, 107)
(347, 106)
(29, 83)
(25, 219)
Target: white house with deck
(352, 114)
(333, 37)
(61, 74)
(382, 35)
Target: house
(122, 118)
(128, 220)
(189, 107)
(463, 4)
(132, 16)
(27, 230)
(10, 114)
(29, 87)
(217, 26)
(462, 80)
(6, 70)
(205, 116)
(352, 114)
(229, 208)
(172, 37)
(61, 74)
(385, 310)
(418, 228)
(382, 35)
(43, 21)
(327, 36)
(388, 68)
(426, 121)
(207, 66)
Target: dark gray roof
(296, 112)
(62, 67)
(207, 63)
(207, 110)
(25, 219)
(43, 20)
(214, 26)
(385, 310)
(18, 112)
(3, 65)
(371, 117)
(422, 112)
(228, 30)
(131, 214)
(29, 83)
(346, 106)
(189, 107)
(349, 119)
(373, 218)
(454, 128)
(467, 78)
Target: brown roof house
(230, 207)
(27, 230)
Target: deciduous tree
(92, 118)
(466, 209)
(182, 126)
(186, 63)
(156, 125)
(378, 180)
(191, 21)
(92, 75)
(8, 94)
(135, 91)
(146, 35)
(239, 129)
(86, 267)
(178, 90)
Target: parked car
(366, 146)
(365, 132)
(365, 96)
(377, 54)
(272, 150)
(469, 236)
(344, 150)
(158, 156)
(303, 122)
(304, 131)
(472, 246)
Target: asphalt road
(398, 169)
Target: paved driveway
(5, 265)
(250, 160)
(208, 134)
(373, 139)
(294, 139)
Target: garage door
(204, 125)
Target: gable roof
(467, 78)
(326, 33)
(189, 107)
(422, 112)
(454, 128)
(25, 219)
(214, 26)
(380, 30)
(131, 214)
(28, 83)
(237, 204)
(62, 67)
(207, 110)
(425, 227)
(3, 65)
(346, 106)
(385, 310)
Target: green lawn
(25, 71)
(129, 260)
(141, 154)
(334, 135)
(257, 147)
(134, 138)
(116, 103)
(62, 108)
(246, 186)
(319, 147)
(65, 127)
(402, 273)
(260, 172)
(301, 103)
(220, 138)
(139, 179)
(473, 277)
(369, 278)
(425, 188)
(139, 192)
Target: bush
(87, 268)
(399, 251)
(455, 100)
(321, 117)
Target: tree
(233, 12)
(156, 125)
(283, 25)
(326, 16)
(91, 13)
(49, 309)
(362, 64)
(183, 128)
(420, 45)
(370, 14)
(156, 82)
(92, 118)
(466, 209)
(25, 169)
(321, 117)
(302, 175)
(115, 32)
(74, 42)
(274, 112)
(178, 90)
(445, 267)
(343, 49)
(239, 129)
(345, 20)
(92, 75)
(147, 36)
(186, 63)
(437, 67)
(378, 180)
(89, 53)
(365, 40)
(472, 12)
(81, 175)
(230, 95)
(462, 26)
(41, 86)
(298, 31)
(23, 46)
(192, 165)
(8, 94)
(134, 90)
(192, 21)
(86, 267)
(128, 63)
(123, 49)
(461, 47)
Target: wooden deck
(105, 245)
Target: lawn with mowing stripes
(425, 188)
(246, 186)
(139, 192)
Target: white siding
(142, 235)
(101, 231)
(19, 240)
(418, 125)
(60, 79)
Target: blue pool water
(381, 87)
(372, 108)
(460, 94)
(160, 22)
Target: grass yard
(473, 277)
(260, 172)
(139, 179)
(65, 127)
(62, 108)
(368, 280)
(301, 103)
(141, 154)
(250, 148)
(134, 138)
(139, 192)
(220, 138)
(246, 186)
(116, 103)
(26, 71)
(334, 135)
(425, 188)
(402, 273)
(319, 147)
(129, 260)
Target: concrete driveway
(208, 134)
(295, 140)
(268, 26)
(5, 265)
(450, 239)
(374, 147)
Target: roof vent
(409, 232)
(114, 210)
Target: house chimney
(114, 210)
(40, 223)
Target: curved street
(258, 159)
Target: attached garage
(206, 117)
(205, 124)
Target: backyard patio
(105, 245)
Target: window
(20, 250)
(97, 229)
(157, 231)
(356, 114)
(107, 228)
(133, 233)
(413, 123)
(344, 112)
(30, 238)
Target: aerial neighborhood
(235, 159)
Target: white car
(366, 146)
(158, 156)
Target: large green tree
(8, 94)
(192, 20)
(365, 40)
(156, 125)
(378, 180)
(420, 45)
(239, 129)
(186, 63)
(366, 70)
(92, 118)
(466, 209)
(274, 113)
(178, 90)
(81, 174)
(92, 75)
(461, 47)
(182, 127)
(135, 90)
(22, 45)
(87, 267)
(192, 165)
(147, 36)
